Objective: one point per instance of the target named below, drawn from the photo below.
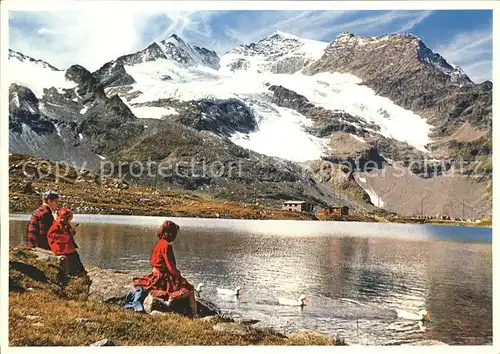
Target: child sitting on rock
(61, 241)
(166, 281)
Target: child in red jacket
(61, 241)
(166, 281)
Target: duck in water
(301, 301)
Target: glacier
(281, 132)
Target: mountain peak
(174, 38)
(25, 58)
(431, 58)
(345, 35)
(284, 35)
(398, 44)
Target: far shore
(483, 223)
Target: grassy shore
(47, 308)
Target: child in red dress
(166, 281)
(61, 241)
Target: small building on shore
(335, 210)
(298, 205)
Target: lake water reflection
(355, 274)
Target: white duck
(421, 316)
(199, 287)
(236, 292)
(288, 302)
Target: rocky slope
(282, 111)
(404, 69)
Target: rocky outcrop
(24, 111)
(325, 121)
(112, 286)
(224, 117)
(113, 74)
(109, 285)
(41, 270)
(239, 64)
(106, 342)
(109, 125)
(89, 88)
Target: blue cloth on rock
(134, 300)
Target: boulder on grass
(113, 286)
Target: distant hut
(300, 206)
(335, 210)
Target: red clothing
(39, 225)
(165, 281)
(60, 239)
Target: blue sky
(90, 38)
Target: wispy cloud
(378, 23)
(472, 52)
(415, 21)
(91, 38)
(306, 24)
(85, 37)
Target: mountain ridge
(162, 81)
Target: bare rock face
(24, 111)
(88, 86)
(403, 61)
(109, 285)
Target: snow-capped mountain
(172, 49)
(13, 55)
(279, 53)
(35, 73)
(149, 76)
(294, 100)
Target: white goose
(421, 316)
(236, 292)
(199, 287)
(288, 302)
